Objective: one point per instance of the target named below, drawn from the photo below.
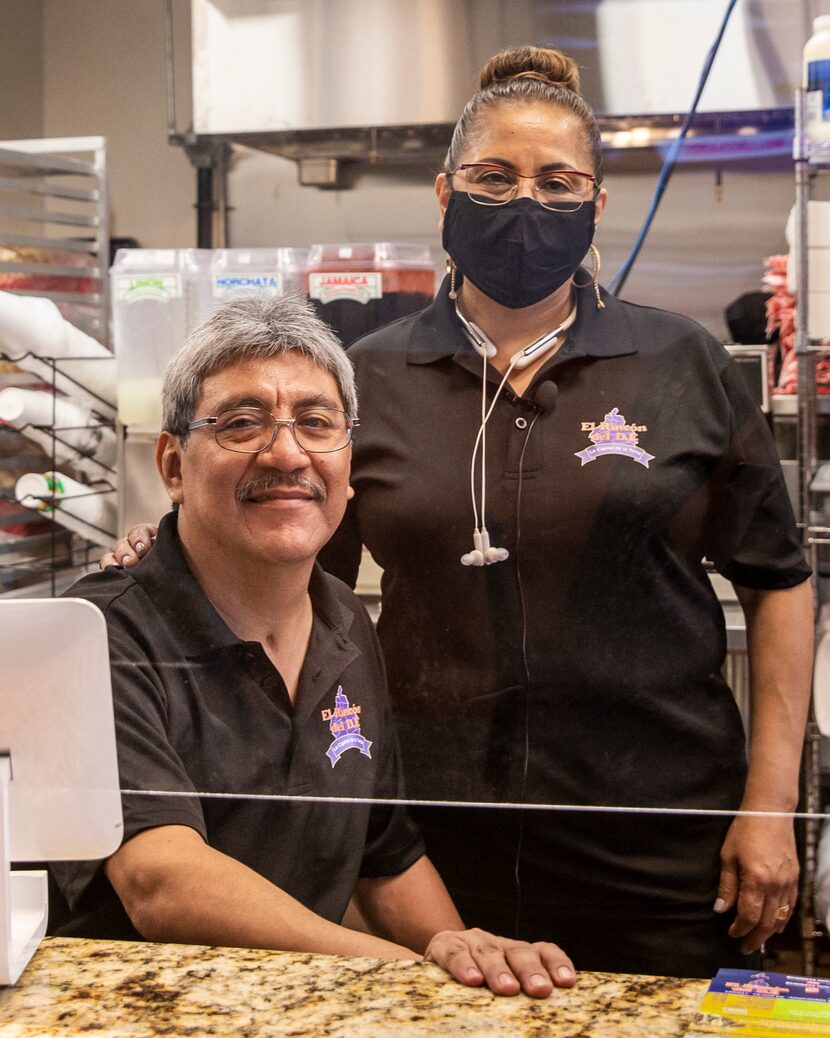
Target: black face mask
(517, 253)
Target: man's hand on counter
(413, 909)
(475, 957)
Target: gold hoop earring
(596, 261)
(451, 272)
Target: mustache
(290, 480)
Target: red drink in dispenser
(357, 288)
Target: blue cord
(670, 161)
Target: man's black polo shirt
(199, 711)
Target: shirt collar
(195, 624)
(437, 333)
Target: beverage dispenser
(257, 272)
(158, 297)
(357, 288)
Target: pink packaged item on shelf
(38, 280)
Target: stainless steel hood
(323, 65)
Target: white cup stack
(86, 510)
(66, 431)
(33, 333)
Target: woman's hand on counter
(475, 957)
(130, 549)
(759, 878)
(759, 865)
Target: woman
(585, 667)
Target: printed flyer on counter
(764, 1005)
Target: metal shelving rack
(53, 201)
(71, 171)
(807, 168)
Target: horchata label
(130, 288)
(231, 285)
(360, 288)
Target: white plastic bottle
(817, 86)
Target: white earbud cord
(481, 439)
(483, 554)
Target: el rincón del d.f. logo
(614, 435)
(344, 725)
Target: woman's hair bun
(543, 64)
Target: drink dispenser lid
(369, 256)
(161, 261)
(293, 258)
(283, 258)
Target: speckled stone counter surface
(105, 988)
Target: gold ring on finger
(782, 912)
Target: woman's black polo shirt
(199, 711)
(586, 669)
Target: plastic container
(357, 288)
(817, 85)
(158, 298)
(256, 272)
(77, 432)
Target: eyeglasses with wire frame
(251, 430)
(562, 190)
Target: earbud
(481, 344)
(537, 349)
(483, 554)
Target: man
(247, 683)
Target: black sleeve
(393, 841)
(146, 760)
(341, 556)
(753, 539)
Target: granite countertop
(113, 988)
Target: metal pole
(221, 187)
(806, 449)
(204, 206)
(805, 358)
(810, 926)
(170, 68)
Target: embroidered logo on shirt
(614, 435)
(344, 725)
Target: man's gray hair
(250, 328)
